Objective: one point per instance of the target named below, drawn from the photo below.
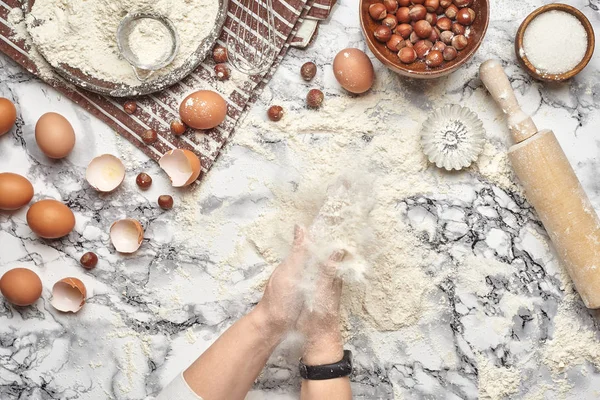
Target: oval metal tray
(78, 78)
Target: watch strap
(328, 371)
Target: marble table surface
(520, 332)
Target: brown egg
(15, 191)
(54, 135)
(203, 109)
(8, 115)
(50, 219)
(353, 70)
(21, 286)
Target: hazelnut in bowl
(424, 39)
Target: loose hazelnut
(438, 46)
(414, 38)
(391, 5)
(446, 37)
(308, 71)
(314, 98)
(431, 5)
(220, 54)
(89, 260)
(422, 47)
(444, 23)
(404, 30)
(450, 53)
(407, 55)
(377, 11)
(451, 11)
(143, 180)
(463, 3)
(403, 15)
(130, 107)
(435, 35)
(423, 29)
(222, 72)
(460, 42)
(394, 43)
(382, 33)
(445, 3)
(177, 127)
(458, 29)
(150, 136)
(165, 202)
(390, 21)
(403, 3)
(275, 113)
(431, 18)
(434, 59)
(465, 16)
(417, 13)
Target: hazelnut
(423, 29)
(414, 38)
(417, 13)
(275, 113)
(130, 107)
(403, 44)
(444, 24)
(446, 37)
(422, 47)
(458, 29)
(403, 3)
(394, 43)
(417, 1)
(143, 180)
(450, 53)
(165, 202)
(434, 59)
(465, 16)
(451, 11)
(431, 5)
(407, 55)
(308, 71)
(390, 21)
(407, 43)
(438, 46)
(391, 5)
(463, 3)
(314, 98)
(460, 42)
(89, 260)
(439, 11)
(403, 15)
(177, 127)
(150, 136)
(404, 30)
(220, 54)
(431, 18)
(377, 11)
(382, 33)
(222, 72)
(445, 3)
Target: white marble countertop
(518, 333)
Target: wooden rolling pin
(552, 187)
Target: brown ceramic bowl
(418, 69)
(522, 57)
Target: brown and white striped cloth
(156, 111)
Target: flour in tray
(82, 34)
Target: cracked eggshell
(126, 235)
(105, 173)
(68, 295)
(182, 166)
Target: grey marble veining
(150, 314)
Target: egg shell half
(127, 235)
(105, 173)
(54, 135)
(8, 115)
(203, 109)
(182, 166)
(50, 219)
(68, 295)
(21, 286)
(353, 70)
(15, 191)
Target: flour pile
(82, 34)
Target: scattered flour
(495, 383)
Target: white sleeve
(178, 389)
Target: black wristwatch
(328, 371)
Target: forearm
(326, 349)
(228, 369)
